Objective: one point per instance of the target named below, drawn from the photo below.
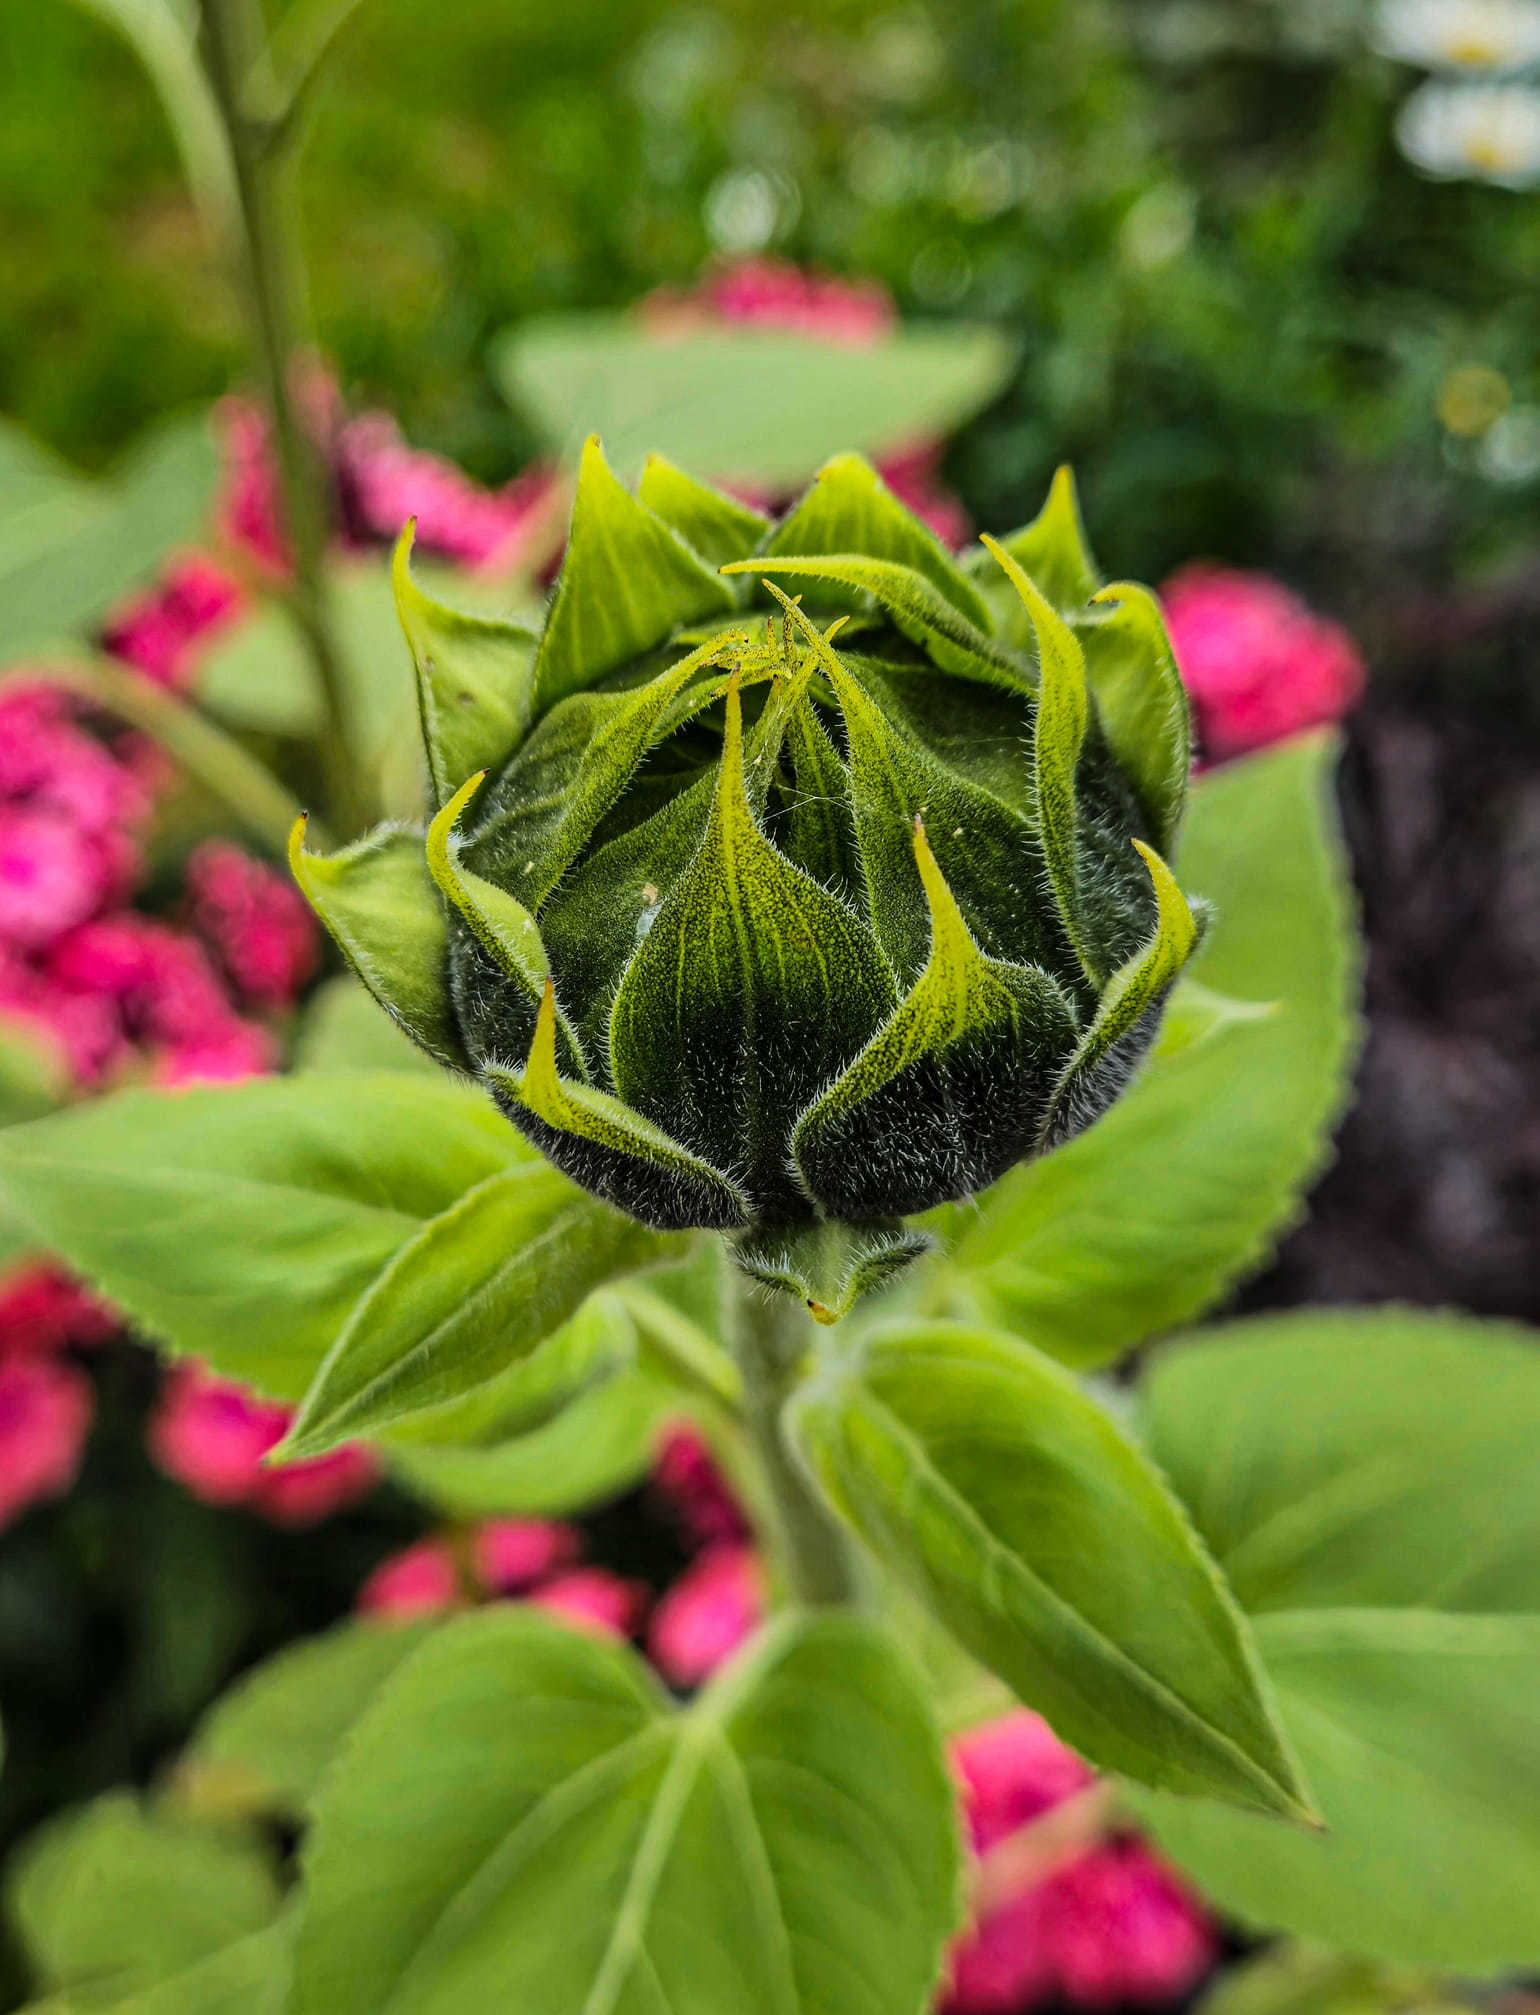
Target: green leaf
(1140, 701)
(958, 1078)
(751, 976)
(997, 1491)
(1368, 1459)
(70, 548)
(785, 1846)
(1180, 1188)
(475, 679)
(718, 527)
(850, 510)
(34, 1071)
(111, 1899)
(1290, 1979)
(242, 1223)
(378, 900)
(758, 405)
(266, 1744)
(600, 1444)
(1418, 1733)
(597, 1342)
(344, 1028)
(477, 1289)
(248, 1977)
(627, 583)
(917, 608)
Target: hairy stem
(772, 1337)
(233, 44)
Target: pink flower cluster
(111, 988)
(533, 1559)
(774, 294)
(378, 482)
(1257, 662)
(211, 1435)
(1106, 1924)
(45, 1398)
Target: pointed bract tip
(297, 843)
(822, 1313)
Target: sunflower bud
(795, 875)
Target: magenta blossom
(1257, 662)
(256, 920)
(44, 1310)
(509, 1555)
(163, 631)
(716, 1604)
(1098, 1921)
(211, 1435)
(45, 1416)
(420, 1580)
(695, 1491)
(594, 1599)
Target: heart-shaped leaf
(520, 1820)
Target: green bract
(796, 873)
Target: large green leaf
(112, 1899)
(1418, 1732)
(521, 1821)
(478, 1287)
(243, 1223)
(345, 1029)
(266, 1744)
(1007, 1499)
(599, 1444)
(69, 548)
(1374, 1460)
(1183, 1185)
(757, 404)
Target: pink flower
(1122, 1927)
(1103, 1922)
(695, 1490)
(42, 1310)
(775, 294)
(52, 875)
(594, 1598)
(296, 1495)
(914, 477)
(420, 1580)
(167, 997)
(45, 1416)
(211, 1435)
(384, 482)
(1257, 662)
(379, 482)
(256, 920)
(715, 1604)
(162, 631)
(509, 1554)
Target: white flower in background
(1494, 36)
(1475, 132)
